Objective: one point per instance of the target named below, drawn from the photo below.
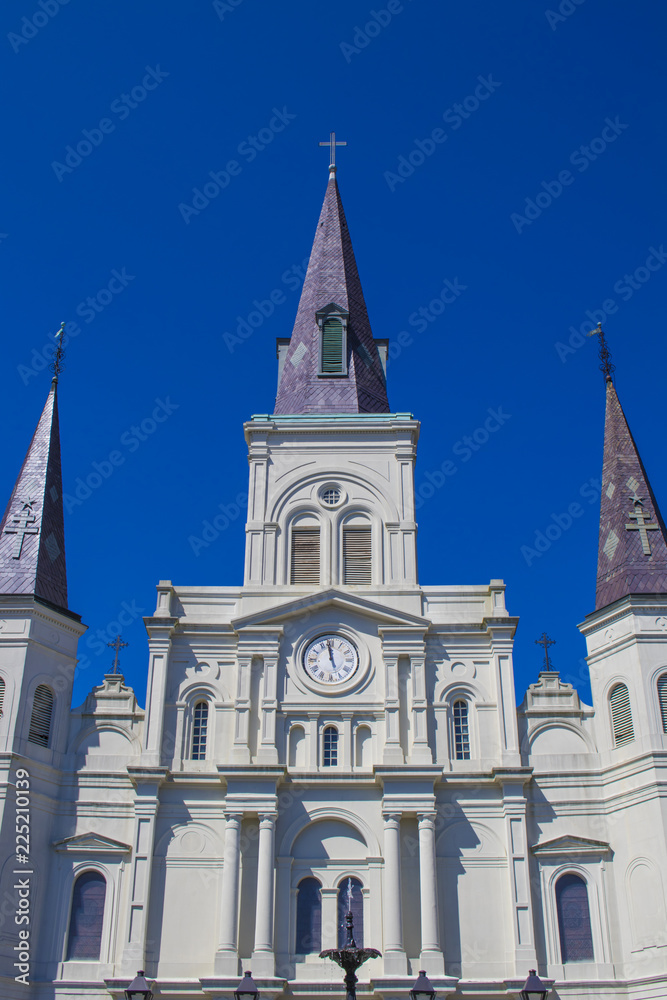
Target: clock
(330, 659)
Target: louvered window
(332, 347)
(87, 917)
(574, 919)
(330, 758)
(2, 693)
(200, 731)
(305, 555)
(662, 698)
(356, 555)
(461, 731)
(42, 710)
(621, 715)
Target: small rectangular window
(330, 756)
(356, 556)
(199, 731)
(305, 567)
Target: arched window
(461, 730)
(308, 917)
(333, 343)
(87, 916)
(357, 551)
(305, 556)
(2, 693)
(330, 747)
(621, 715)
(662, 699)
(40, 721)
(351, 898)
(297, 747)
(574, 919)
(199, 730)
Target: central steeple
(332, 363)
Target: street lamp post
(534, 988)
(246, 990)
(350, 958)
(139, 988)
(422, 990)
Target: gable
(341, 601)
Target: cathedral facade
(331, 736)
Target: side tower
(38, 640)
(626, 637)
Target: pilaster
(514, 807)
(160, 633)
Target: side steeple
(32, 533)
(332, 363)
(632, 551)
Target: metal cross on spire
(641, 517)
(604, 354)
(57, 365)
(332, 154)
(545, 641)
(117, 644)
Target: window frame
(296, 528)
(330, 727)
(87, 870)
(315, 951)
(662, 710)
(333, 312)
(459, 699)
(50, 735)
(193, 730)
(576, 875)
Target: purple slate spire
(632, 552)
(32, 533)
(332, 279)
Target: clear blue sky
(169, 93)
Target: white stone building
(332, 733)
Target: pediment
(571, 845)
(343, 601)
(91, 843)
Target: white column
(420, 752)
(136, 932)
(393, 752)
(267, 751)
(329, 918)
(431, 954)
(226, 959)
(241, 749)
(263, 960)
(395, 962)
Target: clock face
(330, 659)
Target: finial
(604, 354)
(117, 644)
(332, 155)
(57, 365)
(545, 641)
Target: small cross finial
(604, 354)
(545, 641)
(117, 644)
(332, 154)
(57, 365)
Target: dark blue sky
(505, 162)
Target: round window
(330, 496)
